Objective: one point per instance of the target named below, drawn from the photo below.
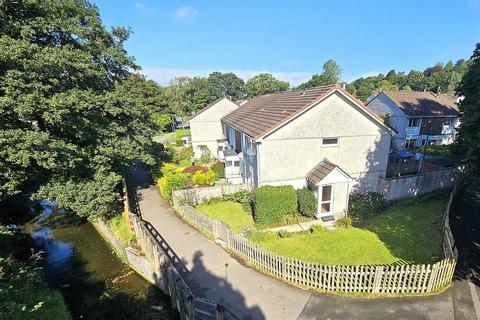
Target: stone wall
(198, 195)
(409, 186)
(134, 258)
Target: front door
(325, 204)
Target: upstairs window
(330, 141)
(414, 122)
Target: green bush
(318, 228)
(219, 169)
(184, 155)
(344, 222)
(272, 203)
(366, 203)
(206, 155)
(203, 179)
(307, 203)
(243, 197)
(170, 182)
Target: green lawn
(408, 232)
(343, 246)
(228, 212)
(412, 229)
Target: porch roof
(323, 169)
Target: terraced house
(418, 117)
(320, 137)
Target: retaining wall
(409, 186)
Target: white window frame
(320, 201)
(418, 120)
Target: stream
(95, 283)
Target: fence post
(190, 308)
(220, 314)
(377, 280)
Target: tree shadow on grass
(412, 237)
(465, 225)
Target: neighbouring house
(320, 137)
(206, 127)
(418, 117)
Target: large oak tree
(73, 117)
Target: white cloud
(141, 7)
(363, 75)
(164, 75)
(185, 12)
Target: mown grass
(229, 212)
(350, 246)
(118, 225)
(407, 232)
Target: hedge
(307, 203)
(219, 168)
(271, 203)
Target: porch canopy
(331, 186)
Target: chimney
(303, 92)
(343, 86)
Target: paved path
(252, 295)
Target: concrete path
(214, 274)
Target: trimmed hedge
(307, 203)
(219, 169)
(272, 203)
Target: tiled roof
(267, 112)
(320, 171)
(209, 106)
(424, 103)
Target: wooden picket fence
(377, 279)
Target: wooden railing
(377, 279)
(169, 271)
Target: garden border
(398, 279)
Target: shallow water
(93, 280)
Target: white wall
(382, 104)
(206, 127)
(292, 151)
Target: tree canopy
(73, 114)
(439, 78)
(468, 139)
(330, 75)
(264, 83)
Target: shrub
(307, 203)
(284, 233)
(271, 203)
(344, 222)
(185, 154)
(243, 197)
(168, 183)
(203, 179)
(219, 169)
(366, 203)
(168, 169)
(318, 228)
(206, 154)
(194, 169)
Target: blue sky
(292, 39)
